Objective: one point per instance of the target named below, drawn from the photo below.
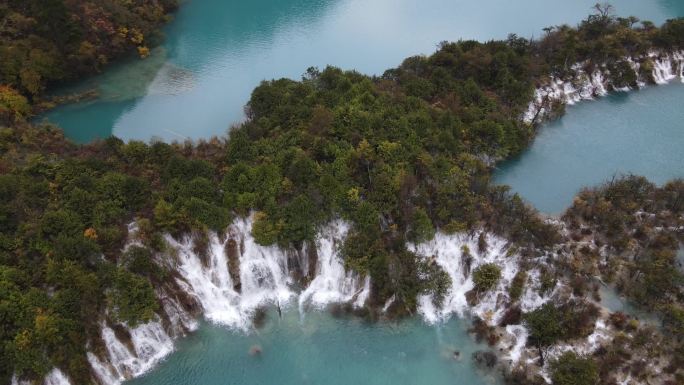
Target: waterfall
(332, 283)
(102, 371)
(520, 335)
(264, 277)
(447, 251)
(54, 377)
(531, 299)
(583, 86)
(230, 279)
(149, 342)
(180, 319)
(264, 272)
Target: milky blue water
(639, 132)
(216, 51)
(322, 349)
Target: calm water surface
(640, 132)
(217, 51)
(324, 350)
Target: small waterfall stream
(586, 86)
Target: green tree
(571, 369)
(263, 230)
(132, 298)
(421, 227)
(486, 277)
(545, 325)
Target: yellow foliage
(136, 36)
(23, 340)
(87, 50)
(90, 233)
(13, 105)
(31, 80)
(44, 326)
(364, 149)
(353, 195)
(143, 52)
(260, 216)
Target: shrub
(571, 369)
(264, 231)
(486, 277)
(545, 327)
(518, 285)
(421, 227)
(132, 299)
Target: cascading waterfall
(180, 319)
(448, 251)
(54, 377)
(584, 86)
(150, 343)
(265, 278)
(333, 284)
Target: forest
(400, 156)
(47, 42)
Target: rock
(259, 318)
(233, 253)
(485, 359)
(255, 350)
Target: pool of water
(613, 301)
(639, 132)
(323, 349)
(216, 51)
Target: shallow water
(613, 301)
(323, 349)
(217, 51)
(639, 132)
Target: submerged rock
(485, 359)
(255, 350)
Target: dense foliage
(570, 369)
(552, 323)
(48, 41)
(486, 277)
(398, 156)
(640, 227)
(641, 224)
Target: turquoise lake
(323, 349)
(639, 132)
(197, 82)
